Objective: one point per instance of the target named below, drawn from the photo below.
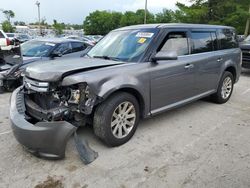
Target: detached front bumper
(43, 139)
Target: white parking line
(6, 132)
(245, 92)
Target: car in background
(84, 39)
(47, 49)
(5, 42)
(39, 50)
(95, 38)
(23, 37)
(245, 48)
(14, 41)
(18, 36)
(9, 51)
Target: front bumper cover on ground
(44, 139)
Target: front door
(172, 81)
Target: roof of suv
(175, 25)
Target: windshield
(124, 45)
(37, 48)
(248, 38)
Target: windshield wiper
(107, 58)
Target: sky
(74, 11)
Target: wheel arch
(232, 70)
(133, 92)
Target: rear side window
(228, 39)
(63, 48)
(1, 35)
(176, 41)
(77, 46)
(202, 42)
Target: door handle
(219, 59)
(189, 66)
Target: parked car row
(18, 36)
(132, 73)
(91, 40)
(39, 50)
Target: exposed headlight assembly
(75, 96)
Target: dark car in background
(245, 48)
(39, 50)
(132, 73)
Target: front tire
(225, 88)
(116, 119)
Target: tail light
(8, 42)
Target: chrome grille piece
(35, 85)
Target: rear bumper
(43, 139)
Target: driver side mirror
(165, 55)
(56, 54)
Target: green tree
(7, 27)
(222, 12)
(8, 14)
(58, 27)
(166, 16)
(128, 18)
(19, 23)
(134, 18)
(101, 22)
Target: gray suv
(134, 72)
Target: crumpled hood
(55, 70)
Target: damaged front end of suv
(46, 114)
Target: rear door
(207, 60)
(172, 81)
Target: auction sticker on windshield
(144, 35)
(142, 40)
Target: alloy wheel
(123, 119)
(226, 87)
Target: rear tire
(116, 119)
(225, 88)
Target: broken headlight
(83, 97)
(75, 96)
(78, 94)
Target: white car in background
(5, 42)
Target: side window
(202, 42)
(215, 41)
(227, 39)
(1, 35)
(176, 41)
(63, 48)
(77, 46)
